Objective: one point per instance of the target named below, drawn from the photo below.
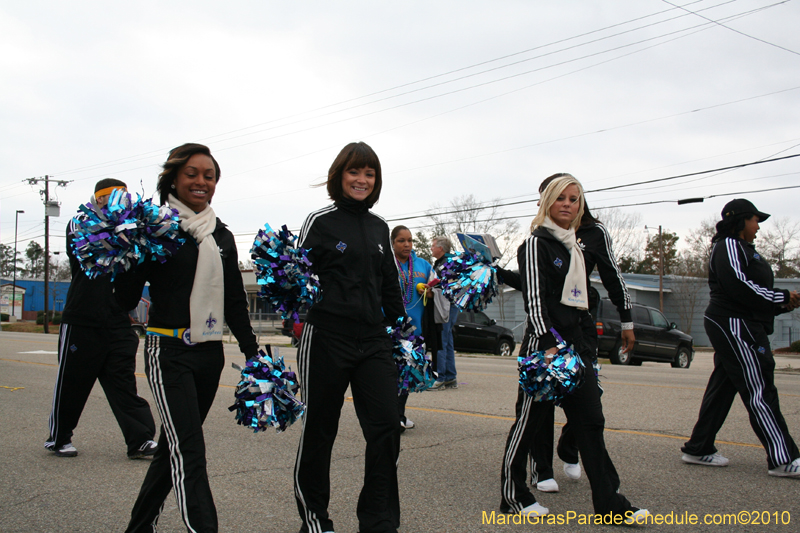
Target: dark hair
(354, 155)
(396, 231)
(588, 217)
(109, 182)
(731, 226)
(177, 158)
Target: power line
(732, 29)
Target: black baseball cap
(740, 206)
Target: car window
(481, 319)
(640, 315)
(659, 320)
(609, 311)
(464, 317)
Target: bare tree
(625, 230)
(687, 288)
(780, 244)
(466, 214)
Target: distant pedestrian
(96, 343)
(738, 320)
(446, 358)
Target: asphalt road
(449, 467)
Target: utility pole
(51, 208)
(660, 268)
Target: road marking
(41, 352)
(27, 362)
(12, 389)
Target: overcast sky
(456, 97)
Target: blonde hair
(551, 194)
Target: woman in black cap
(738, 320)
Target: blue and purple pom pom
(543, 381)
(266, 394)
(120, 235)
(414, 370)
(284, 272)
(468, 281)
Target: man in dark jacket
(96, 342)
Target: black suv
(656, 338)
(476, 332)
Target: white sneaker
(789, 470)
(437, 385)
(66, 450)
(573, 471)
(408, 424)
(548, 485)
(638, 518)
(535, 509)
(715, 459)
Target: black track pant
(585, 415)
(743, 363)
(86, 355)
(328, 363)
(184, 380)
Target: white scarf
(207, 302)
(574, 292)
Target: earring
(172, 186)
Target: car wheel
(683, 358)
(503, 348)
(617, 356)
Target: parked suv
(656, 338)
(476, 332)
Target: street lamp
(14, 286)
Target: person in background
(96, 342)
(554, 287)
(738, 320)
(446, 363)
(345, 343)
(192, 294)
(412, 271)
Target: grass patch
(29, 327)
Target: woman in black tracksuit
(595, 243)
(738, 320)
(345, 342)
(548, 279)
(192, 293)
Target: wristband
(626, 326)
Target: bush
(795, 346)
(55, 317)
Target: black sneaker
(145, 450)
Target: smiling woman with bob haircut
(345, 343)
(554, 288)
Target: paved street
(449, 467)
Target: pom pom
(284, 272)
(468, 281)
(413, 368)
(265, 397)
(543, 381)
(120, 235)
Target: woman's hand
(627, 337)
(548, 355)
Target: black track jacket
(91, 301)
(350, 251)
(543, 265)
(741, 284)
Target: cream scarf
(574, 292)
(207, 302)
